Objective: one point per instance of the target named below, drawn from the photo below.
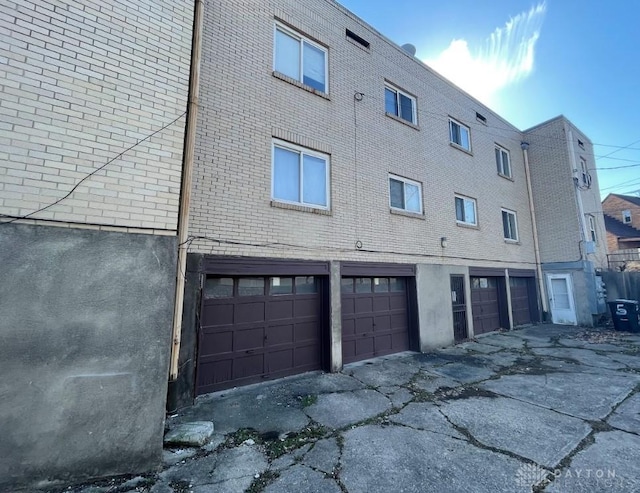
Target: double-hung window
(400, 104)
(300, 176)
(509, 225)
(405, 195)
(585, 173)
(459, 135)
(503, 161)
(466, 211)
(300, 58)
(626, 216)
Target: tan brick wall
(555, 195)
(243, 106)
(80, 83)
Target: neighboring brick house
(350, 202)
(87, 292)
(572, 238)
(623, 221)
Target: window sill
(506, 177)
(467, 225)
(414, 215)
(286, 78)
(460, 148)
(301, 208)
(511, 242)
(402, 120)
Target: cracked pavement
(544, 408)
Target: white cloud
(507, 56)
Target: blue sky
(531, 61)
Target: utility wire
(14, 218)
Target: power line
(137, 143)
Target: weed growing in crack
(292, 441)
(262, 481)
(308, 400)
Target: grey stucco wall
(583, 285)
(85, 323)
(435, 312)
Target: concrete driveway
(545, 408)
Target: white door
(561, 299)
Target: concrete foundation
(85, 322)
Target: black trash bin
(626, 315)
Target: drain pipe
(185, 187)
(536, 248)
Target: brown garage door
(375, 320)
(257, 328)
(485, 304)
(520, 300)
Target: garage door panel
(249, 312)
(365, 347)
(248, 366)
(348, 327)
(363, 305)
(306, 331)
(306, 307)
(382, 323)
(279, 360)
(279, 309)
(248, 339)
(217, 342)
(214, 372)
(378, 324)
(381, 304)
(258, 328)
(279, 334)
(364, 325)
(383, 344)
(306, 356)
(217, 315)
(485, 305)
(348, 306)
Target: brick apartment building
(350, 202)
(347, 202)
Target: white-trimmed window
(592, 228)
(459, 134)
(405, 195)
(300, 58)
(503, 161)
(585, 172)
(400, 104)
(626, 216)
(300, 176)
(466, 210)
(509, 225)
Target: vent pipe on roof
(409, 48)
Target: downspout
(185, 187)
(534, 228)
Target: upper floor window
(509, 225)
(300, 176)
(459, 134)
(466, 210)
(503, 161)
(300, 58)
(626, 216)
(400, 104)
(592, 228)
(405, 194)
(585, 172)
